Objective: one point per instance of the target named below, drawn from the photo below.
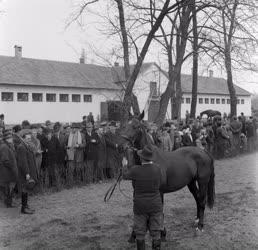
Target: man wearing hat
(113, 157)
(91, 153)
(27, 168)
(8, 166)
(148, 208)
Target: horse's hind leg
(195, 192)
(163, 232)
(202, 202)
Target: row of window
(38, 97)
(212, 100)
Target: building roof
(34, 72)
(210, 85)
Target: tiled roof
(210, 85)
(27, 71)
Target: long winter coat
(8, 165)
(113, 157)
(26, 162)
(91, 150)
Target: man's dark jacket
(146, 180)
(91, 149)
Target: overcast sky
(39, 27)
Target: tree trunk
(231, 88)
(195, 64)
(181, 40)
(134, 101)
(134, 75)
(178, 99)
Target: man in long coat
(8, 168)
(27, 168)
(113, 157)
(236, 128)
(91, 152)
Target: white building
(212, 93)
(40, 90)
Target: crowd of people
(222, 137)
(55, 155)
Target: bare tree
(231, 38)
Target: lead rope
(111, 190)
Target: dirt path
(79, 219)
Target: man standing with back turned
(148, 208)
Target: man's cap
(112, 124)
(48, 123)
(24, 132)
(76, 125)
(146, 153)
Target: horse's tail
(211, 187)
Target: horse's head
(130, 137)
(132, 129)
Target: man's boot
(163, 234)
(140, 244)
(156, 244)
(25, 209)
(8, 197)
(132, 237)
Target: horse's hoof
(196, 221)
(198, 231)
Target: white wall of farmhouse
(37, 112)
(243, 106)
(142, 87)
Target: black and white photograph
(128, 124)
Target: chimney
(210, 73)
(116, 64)
(82, 58)
(18, 51)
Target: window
(242, 101)
(223, 101)
(51, 97)
(228, 101)
(200, 100)
(153, 89)
(76, 98)
(212, 100)
(37, 97)
(7, 96)
(63, 98)
(206, 100)
(188, 100)
(238, 101)
(22, 97)
(183, 100)
(217, 101)
(87, 98)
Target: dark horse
(187, 166)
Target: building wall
(142, 87)
(223, 108)
(153, 74)
(16, 111)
